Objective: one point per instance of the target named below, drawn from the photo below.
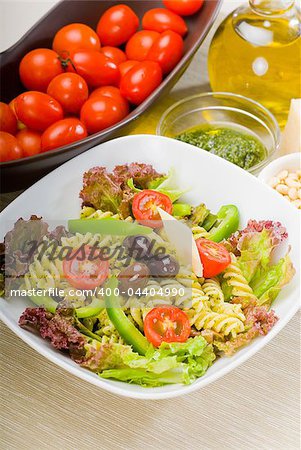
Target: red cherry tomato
(37, 110)
(83, 271)
(160, 19)
(117, 25)
(215, 257)
(9, 147)
(145, 205)
(115, 54)
(12, 105)
(139, 82)
(166, 324)
(126, 66)
(8, 120)
(112, 92)
(73, 37)
(30, 141)
(62, 133)
(167, 51)
(38, 68)
(140, 43)
(101, 112)
(184, 7)
(70, 90)
(94, 67)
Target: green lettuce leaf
(255, 252)
(268, 282)
(170, 363)
(169, 187)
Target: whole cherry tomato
(30, 141)
(184, 7)
(112, 92)
(167, 51)
(101, 112)
(139, 82)
(140, 43)
(117, 25)
(8, 120)
(126, 66)
(37, 110)
(94, 67)
(75, 36)
(38, 68)
(160, 19)
(62, 133)
(9, 147)
(70, 90)
(115, 54)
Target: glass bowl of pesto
(231, 126)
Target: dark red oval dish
(22, 173)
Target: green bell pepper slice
(91, 310)
(181, 209)
(227, 223)
(107, 226)
(123, 325)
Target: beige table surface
(43, 407)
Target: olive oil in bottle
(256, 52)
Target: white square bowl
(212, 180)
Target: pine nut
(292, 183)
(274, 181)
(297, 203)
(298, 173)
(293, 193)
(299, 193)
(282, 189)
(283, 174)
(293, 175)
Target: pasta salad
(143, 287)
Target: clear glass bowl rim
(275, 132)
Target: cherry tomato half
(115, 54)
(70, 90)
(117, 25)
(85, 273)
(160, 19)
(145, 205)
(166, 324)
(38, 68)
(62, 133)
(140, 43)
(112, 92)
(37, 110)
(167, 51)
(8, 120)
(94, 67)
(9, 147)
(184, 7)
(126, 66)
(139, 82)
(101, 112)
(215, 257)
(30, 141)
(73, 37)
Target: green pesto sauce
(238, 147)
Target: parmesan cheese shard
(179, 235)
(291, 137)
